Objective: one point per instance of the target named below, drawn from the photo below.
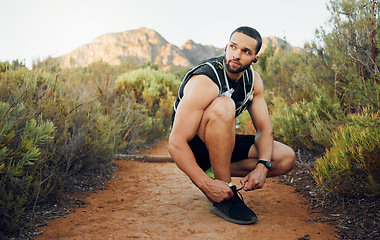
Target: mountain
(277, 42)
(144, 45)
(196, 53)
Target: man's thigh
(279, 151)
(243, 144)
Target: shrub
(4, 66)
(305, 124)
(52, 134)
(352, 164)
(83, 140)
(153, 93)
(20, 159)
(147, 86)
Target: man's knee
(284, 159)
(289, 159)
(222, 108)
(220, 114)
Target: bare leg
(217, 130)
(283, 160)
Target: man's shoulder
(201, 87)
(216, 62)
(258, 84)
(210, 68)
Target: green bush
(148, 86)
(351, 165)
(20, 157)
(83, 140)
(153, 93)
(305, 124)
(57, 127)
(297, 76)
(4, 66)
(279, 70)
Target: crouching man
(203, 142)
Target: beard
(235, 70)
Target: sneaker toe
(242, 214)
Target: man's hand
(255, 179)
(218, 190)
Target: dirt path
(157, 201)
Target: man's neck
(234, 76)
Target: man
(203, 142)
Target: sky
(32, 30)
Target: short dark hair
(253, 33)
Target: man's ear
(254, 61)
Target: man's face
(240, 53)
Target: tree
(351, 52)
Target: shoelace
(241, 196)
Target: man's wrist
(203, 182)
(262, 168)
(265, 163)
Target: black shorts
(242, 145)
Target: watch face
(268, 164)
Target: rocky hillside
(276, 42)
(144, 45)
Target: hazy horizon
(37, 29)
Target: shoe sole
(219, 213)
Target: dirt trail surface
(157, 201)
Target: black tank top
(241, 91)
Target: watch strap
(267, 164)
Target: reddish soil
(157, 201)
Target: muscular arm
(258, 111)
(199, 92)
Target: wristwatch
(267, 164)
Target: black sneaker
(234, 210)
